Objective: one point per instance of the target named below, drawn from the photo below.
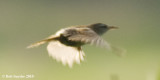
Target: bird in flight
(66, 45)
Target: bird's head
(101, 28)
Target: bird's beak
(113, 27)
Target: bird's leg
(79, 50)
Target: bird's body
(66, 44)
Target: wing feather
(65, 54)
(86, 35)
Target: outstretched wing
(85, 35)
(65, 54)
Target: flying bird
(66, 45)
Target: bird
(66, 44)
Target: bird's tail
(37, 44)
(41, 42)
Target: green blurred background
(23, 22)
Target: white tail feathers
(65, 54)
(37, 44)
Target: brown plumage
(65, 45)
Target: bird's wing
(65, 54)
(86, 35)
